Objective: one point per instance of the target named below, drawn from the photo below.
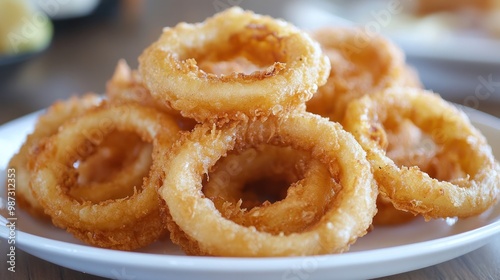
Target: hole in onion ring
(245, 52)
(226, 67)
(263, 191)
(408, 145)
(115, 169)
(257, 177)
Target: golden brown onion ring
(460, 144)
(293, 63)
(360, 64)
(349, 214)
(127, 223)
(306, 199)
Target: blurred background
(67, 47)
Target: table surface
(82, 57)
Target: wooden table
(82, 57)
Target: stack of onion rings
(117, 173)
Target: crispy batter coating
(308, 188)
(293, 67)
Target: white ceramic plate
(384, 251)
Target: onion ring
(170, 68)
(124, 224)
(348, 217)
(361, 64)
(408, 187)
